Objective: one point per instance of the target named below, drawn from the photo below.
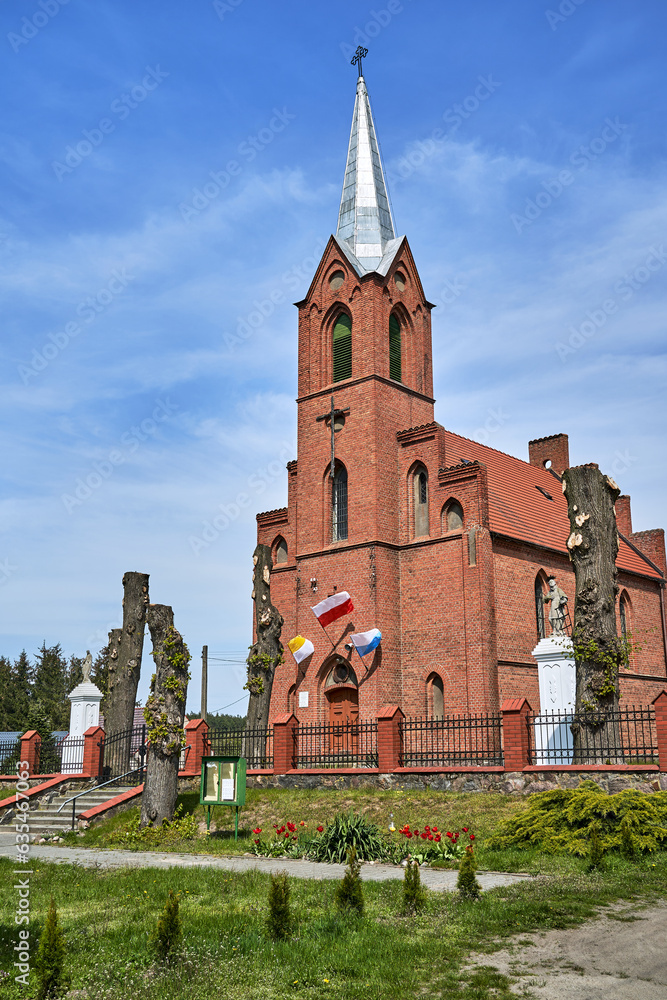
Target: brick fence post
(390, 738)
(196, 737)
(31, 743)
(660, 706)
(516, 748)
(93, 751)
(284, 727)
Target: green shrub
(181, 827)
(466, 883)
(168, 935)
(346, 831)
(596, 857)
(628, 847)
(414, 893)
(52, 981)
(560, 821)
(279, 920)
(349, 892)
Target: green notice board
(223, 782)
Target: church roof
(365, 227)
(526, 502)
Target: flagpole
(333, 644)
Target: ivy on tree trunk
(266, 653)
(164, 714)
(598, 652)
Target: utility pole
(204, 681)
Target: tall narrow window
(420, 492)
(281, 551)
(624, 616)
(539, 609)
(452, 516)
(437, 696)
(339, 505)
(342, 348)
(395, 348)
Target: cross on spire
(360, 54)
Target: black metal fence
(353, 744)
(256, 745)
(124, 752)
(10, 754)
(627, 736)
(455, 739)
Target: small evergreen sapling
(52, 979)
(596, 858)
(169, 932)
(467, 884)
(414, 893)
(279, 920)
(349, 892)
(628, 846)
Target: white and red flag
(332, 608)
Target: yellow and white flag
(300, 648)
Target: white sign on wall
(303, 699)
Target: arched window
(435, 693)
(342, 348)
(452, 516)
(420, 494)
(339, 505)
(395, 371)
(280, 550)
(624, 614)
(291, 699)
(540, 620)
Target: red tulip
(424, 836)
(435, 829)
(319, 829)
(430, 836)
(257, 842)
(472, 836)
(465, 829)
(437, 838)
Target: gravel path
(437, 880)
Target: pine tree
(279, 920)
(169, 931)
(50, 965)
(467, 884)
(414, 893)
(99, 675)
(5, 694)
(349, 892)
(20, 693)
(50, 685)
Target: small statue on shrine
(557, 601)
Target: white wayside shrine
(557, 679)
(84, 712)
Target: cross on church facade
(360, 54)
(331, 416)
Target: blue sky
(148, 332)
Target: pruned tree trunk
(164, 714)
(598, 652)
(125, 649)
(265, 654)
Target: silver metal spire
(364, 221)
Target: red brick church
(444, 544)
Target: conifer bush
(562, 821)
(349, 892)
(414, 893)
(628, 848)
(52, 980)
(467, 884)
(596, 857)
(279, 921)
(168, 935)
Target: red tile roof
(518, 509)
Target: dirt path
(619, 956)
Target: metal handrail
(95, 787)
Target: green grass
(481, 813)
(109, 915)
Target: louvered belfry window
(342, 348)
(339, 505)
(395, 370)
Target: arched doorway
(343, 705)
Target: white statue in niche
(557, 601)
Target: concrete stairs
(47, 821)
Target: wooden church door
(343, 712)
